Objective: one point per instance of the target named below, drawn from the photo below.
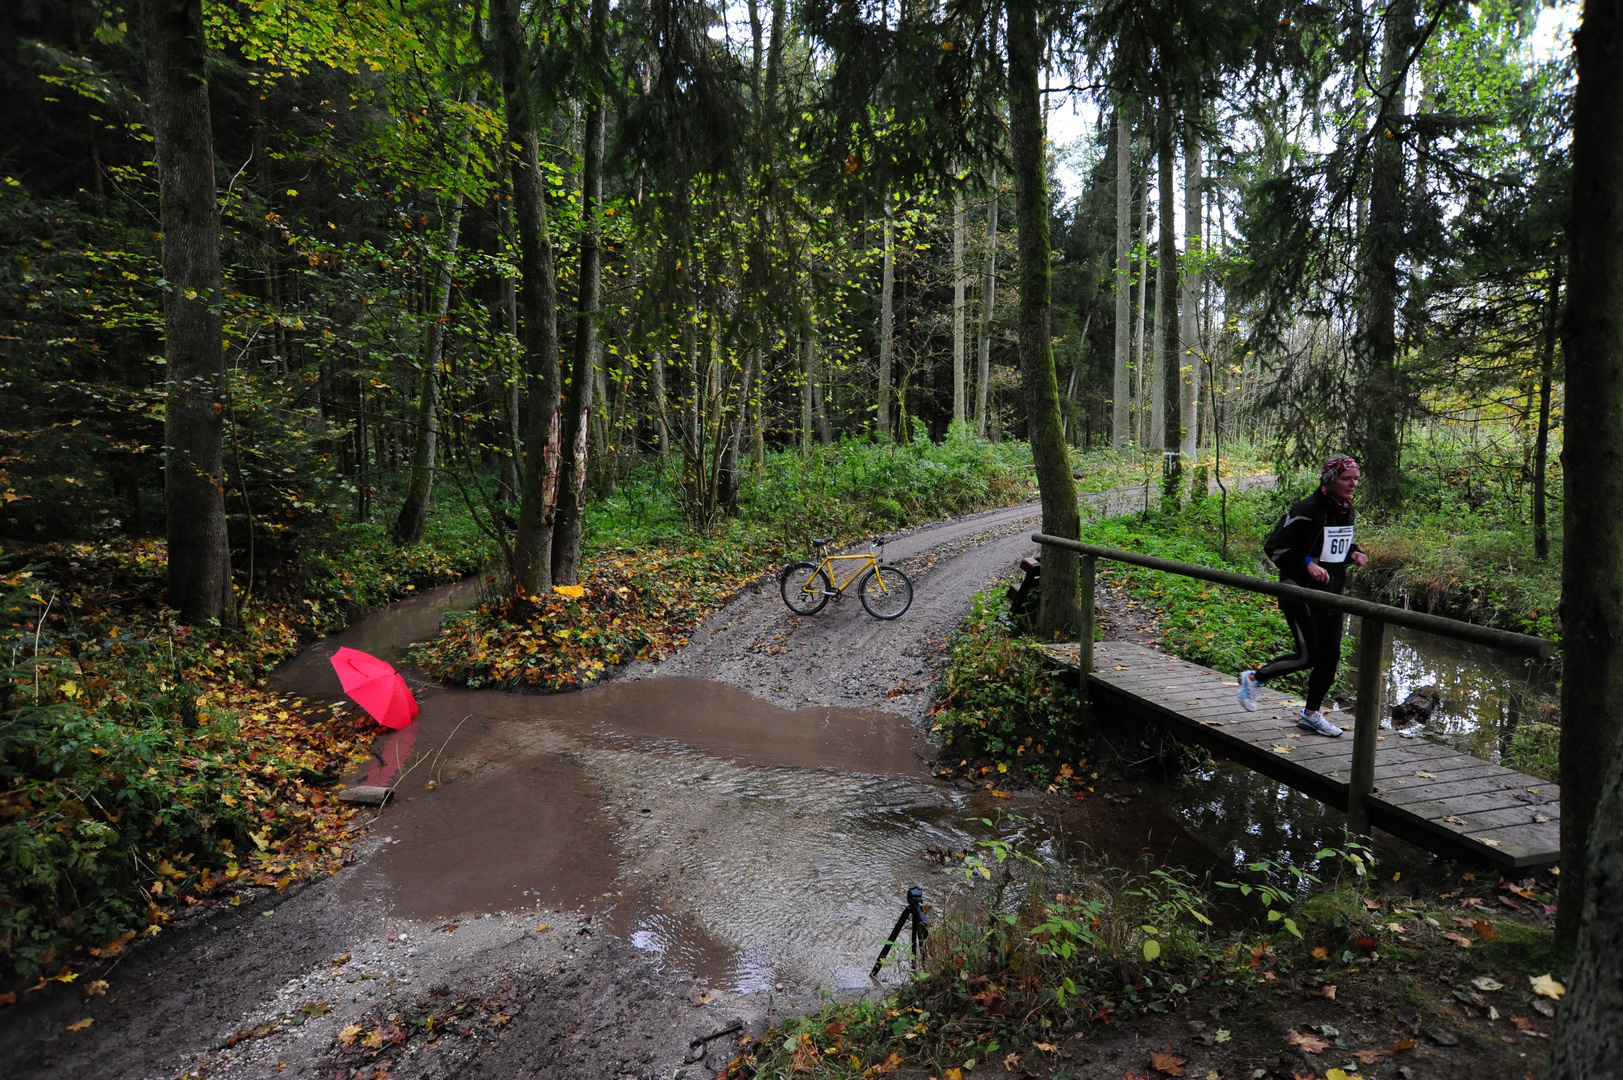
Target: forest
(607, 309)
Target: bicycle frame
(867, 559)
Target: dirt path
(578, 885)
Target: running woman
(1312, 547)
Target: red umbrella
(376, 687)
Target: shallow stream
(756, 848)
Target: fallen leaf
(1490, 843)
(1283, 748)
(1544, 986)
(1397, 928)
(1321, 953)
(1525, 894)
(1484, 930)
(1544, 1008)
(1047, 1048)
(1330, 991)
(1224, 1035)
(1459, 939)
(1424, 773)
(8, 998)
(1487, 982)
(1011, 1062)
(1401, 1045)
(1524, 1024)
(1454, 819)
(1335, 1074)
(1311, 1043)
(953, 1074)
(80, 1025)
(1370, 1057)
(349, 1034)
(543, 928)
(1372, 904)
(1165, 1061)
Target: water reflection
(1486, 693)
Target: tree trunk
(1057, 611)
(983, 373)
(958, 285)
(408, 526)
(510, 377)
(538, 489)
(1168, 377)
(199, 585)
(583, 374)
(1140, 362)
(887, 324)
(662, 429)
(1189, 304)
(1541, 446)
(1378, 403)
(1591, 910)
(1120, 389)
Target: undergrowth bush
(1001, 709)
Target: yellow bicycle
(884, 590)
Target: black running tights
(1318, 646)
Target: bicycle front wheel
(885, 592)
(805, 588)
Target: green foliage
(1225, 629)
(650, 576)
(998, 700)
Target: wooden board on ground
(1431, 795)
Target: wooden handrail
(1371, 643)
(1509, 640)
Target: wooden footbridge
(1431, 795)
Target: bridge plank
(1494, 810)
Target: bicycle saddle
(823, 541)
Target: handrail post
(1087, 572)
(1366, 724)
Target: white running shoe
(1249, 689)
(1315, 722)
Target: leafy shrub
(999, 703)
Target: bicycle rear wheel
(805, 588)
(885, 592)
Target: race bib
(1338, 541)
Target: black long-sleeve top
(1320, 529)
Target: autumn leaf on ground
(1047, 1048)
(1544, 986)
(1011, 1062)
(80, 1025)
(1487, 982)
(1165, 1061)
(1336, 1074)
(1401, 1045)
(1459, 939)
(1370, 1057)
(1484, 930)
(1524, 1024)
(1321, 953)
(349, 1034)
(1311, 1043)
(1330, 991)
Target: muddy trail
(582, 884)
